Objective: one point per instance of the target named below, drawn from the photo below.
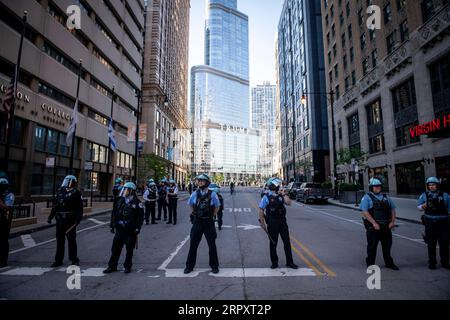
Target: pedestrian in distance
(436, 205)
(6, 214)
(172, 201)
(272, 217)
(379, 217)
(150, 196)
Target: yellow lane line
(317, 260)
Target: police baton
(68, 230)
(270, 238)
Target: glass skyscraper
(223, 140)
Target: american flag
(8, 101)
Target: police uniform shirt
(367, 203)
(265, 200)
(434, 195)
(9, 200)
(175, 190)
(215, 202)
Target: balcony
(375, 129)
(405, 116)
(369, 82)
(398, 59)
(435, 29)
(441, 100)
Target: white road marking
(26, 271)
(27, 240)
(164, 265)
(96, 221)
(248, 226)
(54, 239)
(242, 272)
(360, 223)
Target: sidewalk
(406, 208)
(98, 208)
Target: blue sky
(263, 23)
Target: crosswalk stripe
(27, 240)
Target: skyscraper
(263, 119)
(223, 140)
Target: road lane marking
(242, 273)
(361, 224)
(27, 240)
(96, 221)
(314, 257)
(166, 262)
(54, 239)
(26, 271)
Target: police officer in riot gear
(436, 205)
(126, 223)
(272, 217)
(68, 212)
(6, 213)
(150, 196)
(162, 199)
(118, 185)
(379, 217)
(205, 204)
(172, 201)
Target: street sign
(88, 166)
(50, 162)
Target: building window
(345, 62)
(55, 94)
(334, 51)
(403, 135)
(97, 117)
(328, 38)
(404, 32)
(340, 130)
(427, 7)
(333, 30)
(353, 131)
(374, 56)
(390, 42)
(347, 8)
(352, 54)
(329, 57)
(96, 152)
(103, 61)
(350, 33)
(376, 144)
(360, 17)
(372, 35)
(347, 83)
(100, 88)
(353, 77)
(341, 18)
(61, 58)
(39, 138)
(404, 96)
(387, 11)
(410, 177)
(401, 4)
(374, 113)
(362, 39)
(336, 71)
(440, 86)
(343, 41)
(365, 66)
(338, 93)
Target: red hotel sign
(430, 127)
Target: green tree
(219, 178)
(345, 158)
(154, 166)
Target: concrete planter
(350, 196)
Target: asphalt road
(328, 245)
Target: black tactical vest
(203, 209)
(172, 189)
(162, 192)
(381, 209)
(152, 194)
(275, 208)
(436, 206)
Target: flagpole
(16, 79)
(109, 143)
(72, 147)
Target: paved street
(328, 244)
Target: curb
(14, 234)
(357, 209)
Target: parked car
(310, 191)
(292, 189)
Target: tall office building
(304, 128)
(165, 87)
(223, 141)
(387, 82)
(263, 119)
(110, 43)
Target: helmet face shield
(68, 182)
(125, 192)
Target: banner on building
(131, 134)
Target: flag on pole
(8, 101)
(73, 125)
(112, 136)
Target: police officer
(379, 217)
(436, 205)
(118, 185)
(6, 204)
(150, 196)
(162, 199)
(172, 201)
(272, 217)
(205, 204)
(216, 189)
(68, 213)
(126, 223)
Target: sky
(263, 23)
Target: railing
(434, 27)
(405, 116)
(375, 129)
(397, 58)
(24, 210)
(369, 80)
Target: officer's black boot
(110, 270)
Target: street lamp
(331, 100)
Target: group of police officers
(207, 204)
